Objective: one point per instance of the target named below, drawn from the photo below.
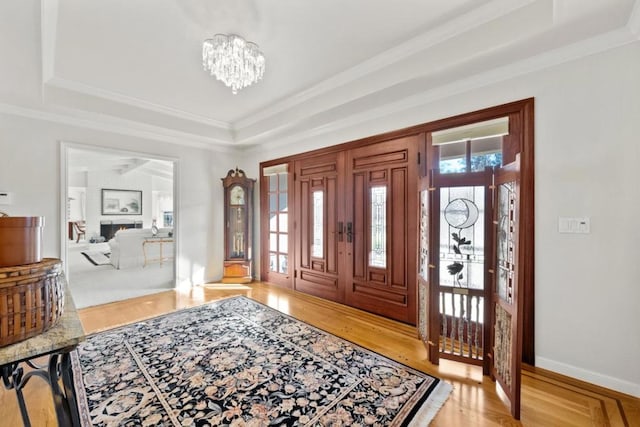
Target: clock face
(237, 195)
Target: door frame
(65, 146)
(521, 128)
(521, 135)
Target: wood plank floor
(548, 399)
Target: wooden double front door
(355, 227)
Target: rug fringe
(434, 403)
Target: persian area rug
(236, 362)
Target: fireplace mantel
(108, 228)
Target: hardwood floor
(548, 399)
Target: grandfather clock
(238, 230)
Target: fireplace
(108, 228)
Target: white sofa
(127, 247)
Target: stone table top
(68, 332)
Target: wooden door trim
(523, 113)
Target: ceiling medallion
(233, 60)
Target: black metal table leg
(69, 389)
(64, 402)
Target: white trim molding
(634, 20)
(602, 380)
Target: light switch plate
(6, 198)
(574, 225)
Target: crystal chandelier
(233, 60)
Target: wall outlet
(574, 225)
(6, 198)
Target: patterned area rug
(236, 362)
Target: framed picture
(121, 202)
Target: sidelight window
(278, 222)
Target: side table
(160, 242)
(57, 343)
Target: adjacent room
(412, 213)
(120, 221)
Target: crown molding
(85, 89)
(450, 29)
(594, 45)
(48, 34)
(120, 126)
(634, 20)
(49, 22)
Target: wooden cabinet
(238, 230)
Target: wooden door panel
(317, 273)
(358, 248)
(398, 248)
(383, 284)
(507, 302)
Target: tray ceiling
(135, 66)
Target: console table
(160, 242)
(57, 343)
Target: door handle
(340, 231)
(349, 232)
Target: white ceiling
(85, 160)
(135, 66)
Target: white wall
(30, 168)
(587, 164)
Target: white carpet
(100, 284)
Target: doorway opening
(475, 273)
(119, 223)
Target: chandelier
(233, 60)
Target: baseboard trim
(602, 380)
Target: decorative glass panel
(505, 241)
(317, 247)
(273, 222)
(462, 252)
(273, 242)
(502, 344)
(424, 235)
(423, 313)
(378, 253)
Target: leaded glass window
(317, 247)
(462, 235)
(505, 240)
(378, 252)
